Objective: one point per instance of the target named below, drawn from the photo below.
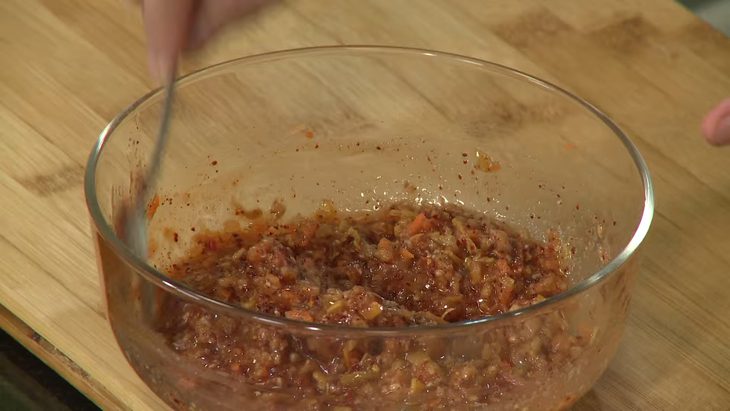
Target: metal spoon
(135, 224)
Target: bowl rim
(179, 289)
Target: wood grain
(69, 66)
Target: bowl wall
(363, 127)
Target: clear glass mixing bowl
(361, 127)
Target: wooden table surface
(68, 66)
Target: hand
(716, 125)
(176, 25)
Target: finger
(716, 125)
(213, 14)
(167, 24)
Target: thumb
(716, 125)
(167, 23)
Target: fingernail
(721, 136)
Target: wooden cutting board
(69, 66)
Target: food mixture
(401, 266)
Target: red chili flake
(309, 134)
(577, 206)
(214, 163)
(175, 237)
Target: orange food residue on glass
(169, 234)
(152, 247)
(250, 214)
(302, 130)
(152, 207)
(485, 163)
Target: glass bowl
(360, 127)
